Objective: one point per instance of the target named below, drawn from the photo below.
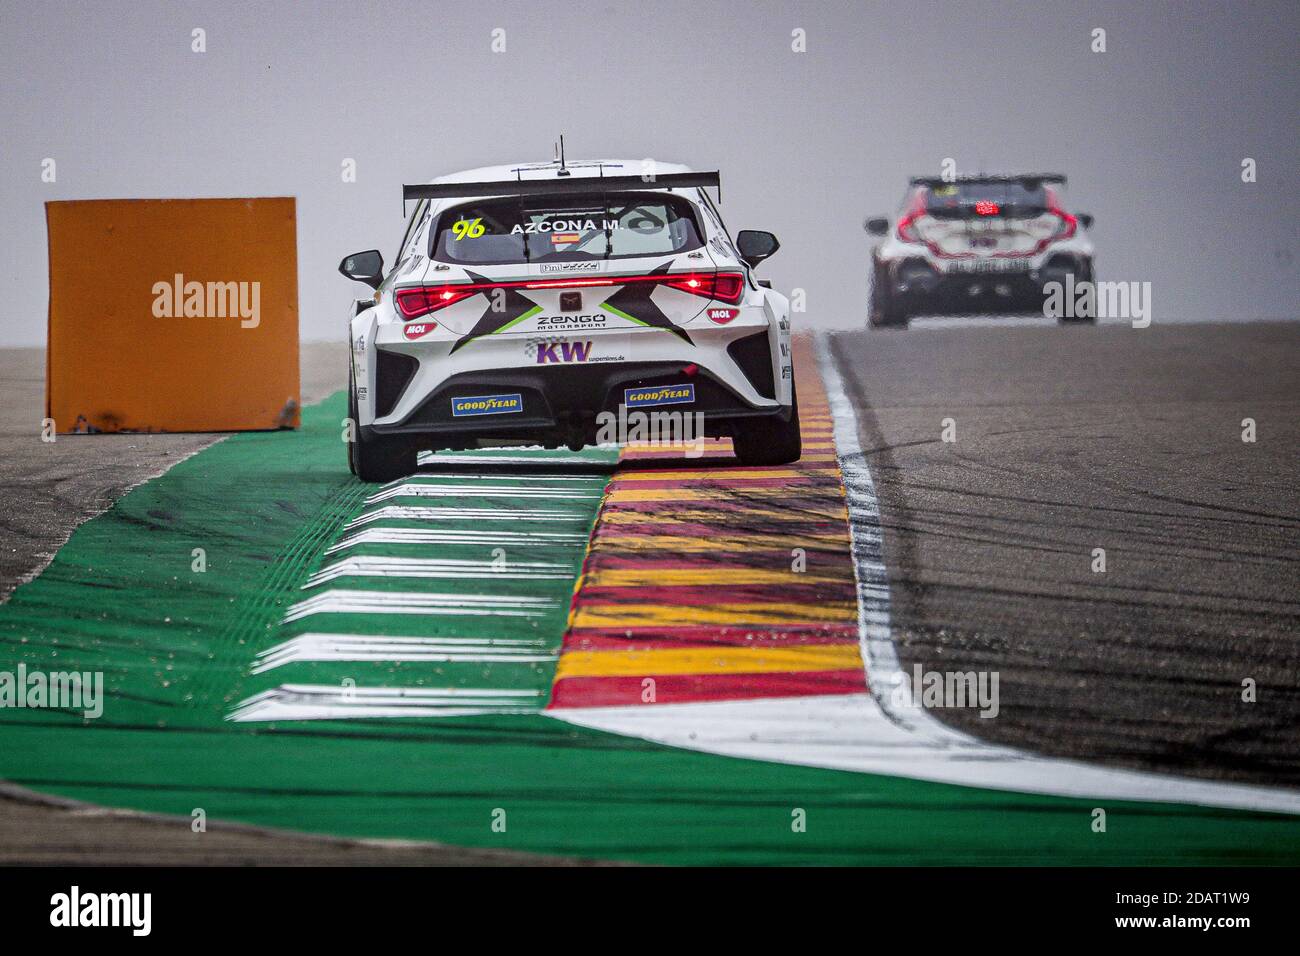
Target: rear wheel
(352, 420)
(380, 458)
(886, 310)
(770, 441)
(1084, 274)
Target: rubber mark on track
(865, 732)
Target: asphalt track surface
(1070, 439)
(1067, 439)
(51, 487)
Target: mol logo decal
(723, 316)
(560, 352)
(418, 330)
(487, 405)
(659, 395)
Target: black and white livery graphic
(977, 244)
(526, 301)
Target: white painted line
(345, 601)
(331, 702)
(528, 476)
(367, 647)
(428, 513)
(417, 489)
(868, 732)
(373, 566)
(481, 459)
(518, 539)
(850, 732)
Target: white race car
(977, 244)
(528, 300)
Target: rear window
(959, 200)
(573, 229)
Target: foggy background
(1151, 133)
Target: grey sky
(1151, 133)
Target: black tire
(377, 459)
(1085, 274)
(352, 420)
(770, 441)
(886, 311)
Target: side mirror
(367, 267)
(755, 246)
(877, 225)
(1086, 219)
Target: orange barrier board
(172, 315)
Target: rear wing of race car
(1029, 179)
(550, 187)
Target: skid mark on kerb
(444, 596)
(868, 732)
(711, 582)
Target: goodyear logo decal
(487, 405)
(660, 395)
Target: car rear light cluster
(1069, 224)
(723, 286)
(417, 301)
(907, 222)
(413, 303)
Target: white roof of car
(577, 169)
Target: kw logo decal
(568, 352)
(487, 405)
(661, 395)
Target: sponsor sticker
(659, 395)
(723, 316)
(418, 330)
(568, 323)
(555, 353)
(565, 225)
(487, 405)
(559, 351)
(592, 266)
(468, 228)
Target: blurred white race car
(528, 300)
(977, 244)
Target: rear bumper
(916, 282)
(561, 405)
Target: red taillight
(726, 287)
(414, 303)
(906, 223)
(1069, 224)
(723, 286)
